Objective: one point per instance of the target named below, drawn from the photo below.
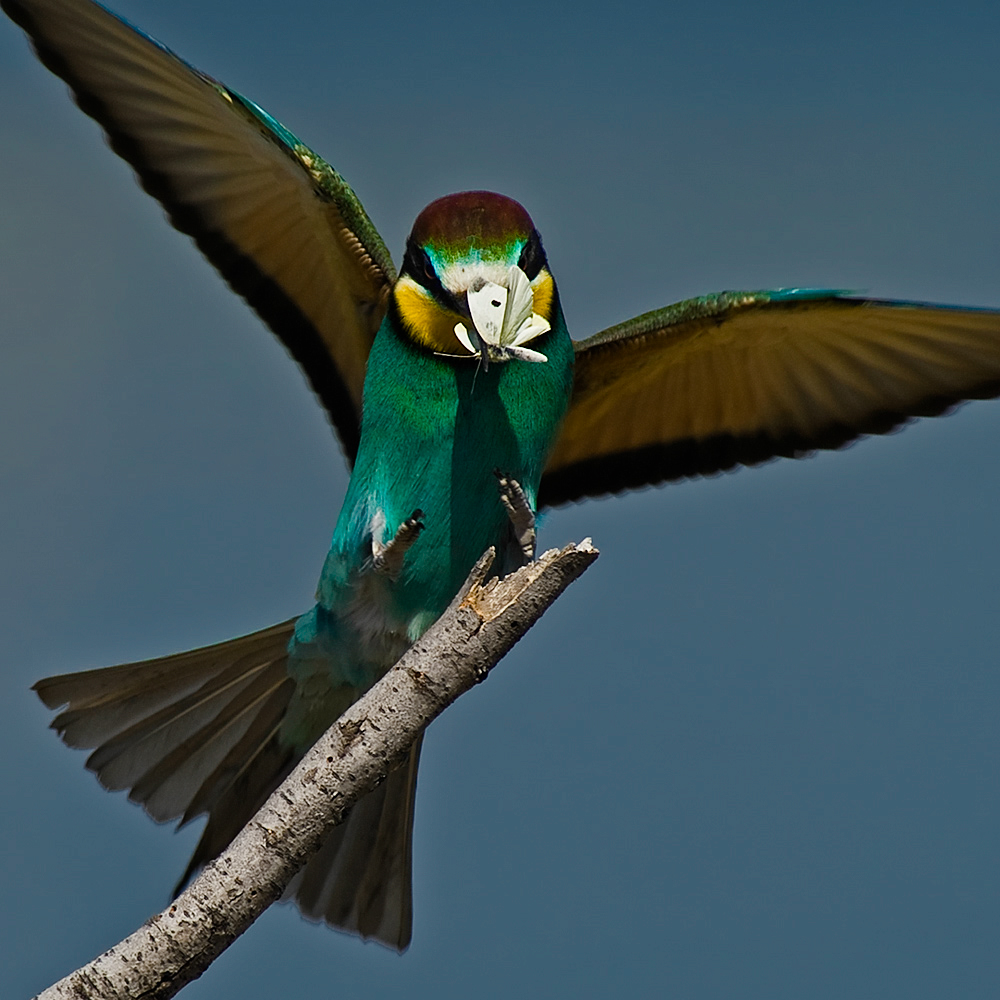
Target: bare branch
(351, 758)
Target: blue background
(753, 752)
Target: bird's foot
(522, 517)
(388, 559)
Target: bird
(464, 410)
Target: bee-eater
(463, 407)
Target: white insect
(503, 319)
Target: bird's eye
(418, 264)
(532, 256)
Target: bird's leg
(522, 517)
(388, 559)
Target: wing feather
(739, 378)
(280, 225)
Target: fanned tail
(200, 732)
(166, 729)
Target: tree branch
(350, 759)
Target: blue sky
(753, 752)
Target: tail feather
(165, 789)
(106, 702)
(360, 879)
(124, 759)
(244, 756)
(246, 791)
(200, 732)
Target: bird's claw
(388, 559)
(519, 510)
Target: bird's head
(474, 281)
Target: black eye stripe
(417, 265)
(532, 258)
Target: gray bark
(352, 757)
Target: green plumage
(433, 432)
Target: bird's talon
(388, 559)
(520, 512)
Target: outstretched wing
(280, 224)
(742, 377)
